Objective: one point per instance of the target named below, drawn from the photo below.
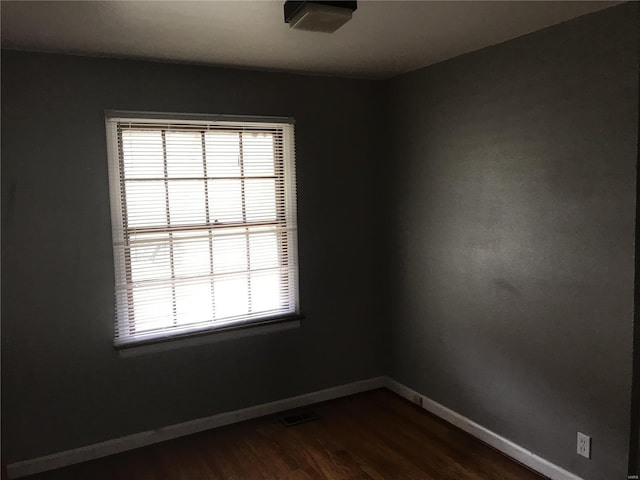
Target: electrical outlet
(417, 399)
(584, 445)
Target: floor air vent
(298, 418)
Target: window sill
(209, 336)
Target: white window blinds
(204, 224)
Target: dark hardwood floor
(371, 436)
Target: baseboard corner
(507, 447)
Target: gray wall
(512, 252)
(63, 384)
(634, 446)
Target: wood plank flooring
(370, 436)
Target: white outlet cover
(584, 445)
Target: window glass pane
(146, 203)
(231, 297)
(225, 201)
(187, 202)
(184, 154)
(191, 257)
(265, 291)
(193, 303)
(150, 261)
(142, 154)
(260, 198)
(263, 249)
(258, 153)
(230, 254)
(223, 154)
(152, 308)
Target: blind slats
(204, 224)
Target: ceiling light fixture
(318, 16)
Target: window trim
(132, 115)
(231, 332)
(268, 322)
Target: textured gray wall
(512, 243)
(63, 384)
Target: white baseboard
(505, 446)
(117, 445)
(129, 442)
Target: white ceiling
(383, 39)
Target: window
(204, 223)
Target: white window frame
(125, 332)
